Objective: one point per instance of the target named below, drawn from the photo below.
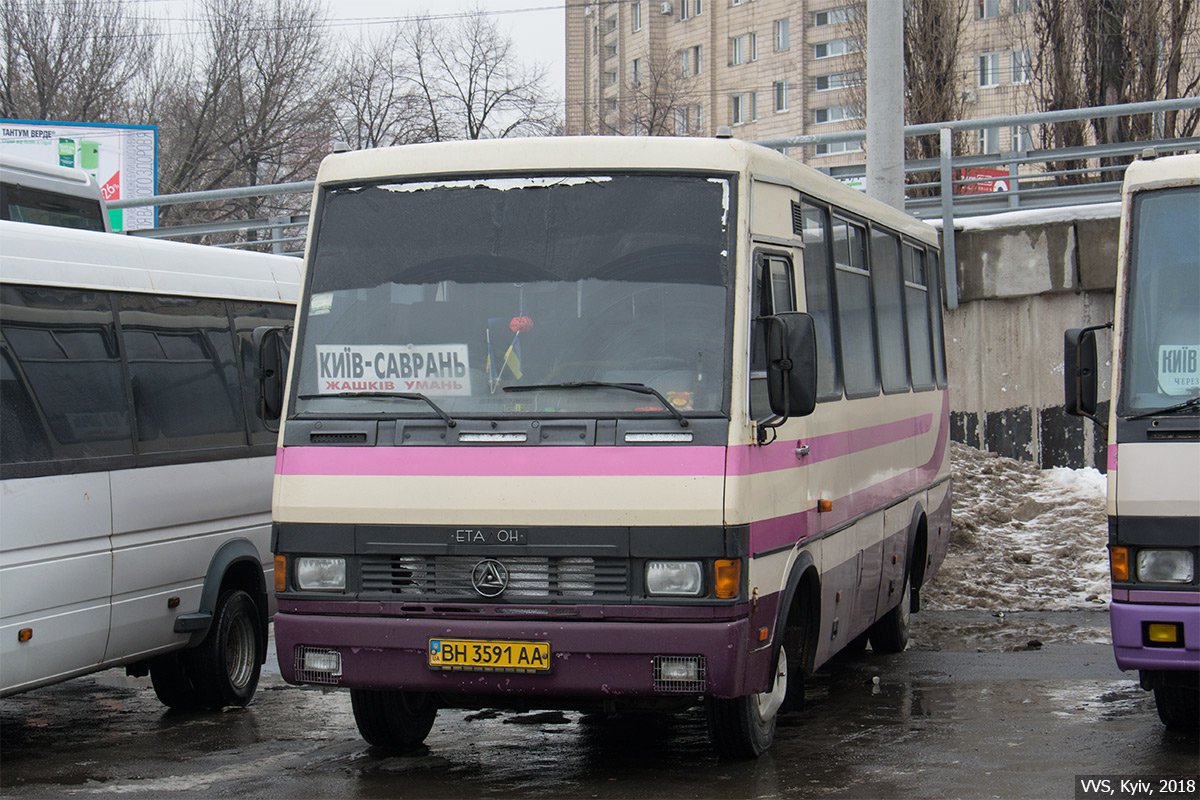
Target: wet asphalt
(980, 706)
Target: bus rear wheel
(1178, 706)
(890, 633)
(393, 719)
(225, 667)
(744, 727)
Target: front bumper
(589, 659)
(1128, 620)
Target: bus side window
(186, 390)
(935, 317)
(63, 391)
(819, 299)
(247, 316)
(856, 321)
(917, 307)
(889, 310)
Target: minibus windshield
(461, 290)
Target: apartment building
(771, 68)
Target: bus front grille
(545, 577)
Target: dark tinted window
(185, 381)
(61, 387)
(50, 208)
(889, 310)
(935, 314)
(819, 299)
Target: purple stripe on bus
(1112, 458)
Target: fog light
(323, 661)
(1162, 634)
(679, 674)
(321, 574)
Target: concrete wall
(1022, 283)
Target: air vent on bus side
(797, 219)
(338, 438)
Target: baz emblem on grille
(489, 577)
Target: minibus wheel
(393, 719)
(744, 727)
(226, 665)
(1178, 706)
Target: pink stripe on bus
(1112, 458)
(502, 461)
(754, 460)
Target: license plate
(489, 656)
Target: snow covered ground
(1023, 538)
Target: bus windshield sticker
(322, 303)
(437, 370)
(1179, 368)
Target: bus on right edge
(1153, 432)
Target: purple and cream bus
(604, 424)
(1153, 432)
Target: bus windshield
(1161, 360)
(464, 291)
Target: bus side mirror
(791, 364)
(272, 346)
(1080, 381)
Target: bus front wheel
(744, 727)
(890, 633)
(393, 719)
(1178, 706)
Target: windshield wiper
(397, 395)
(1184, 406)
(639, 388)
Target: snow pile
(1022, 539)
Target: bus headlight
(681, 578)
(1165, 566)
(321, 574)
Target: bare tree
(379, 102)
(472, 83)
(654, 97)
(71, 60)
(1182, 26)
(253, 107)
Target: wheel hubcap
(240, 651)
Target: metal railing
(1031, 179)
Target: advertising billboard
(123, 159)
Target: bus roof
(52, 256)
(616, 153)
(1162, 172)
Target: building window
(610, 24)
(752, 44)
(697, 7)
(735, 50)
(837, 80)
(781, 35)
(1021, 69)
(635, 14)
(830, 148)
(610, 51)
(681, 121)
(989, 140)
(832, 16)
(837, 113)
(685, 11)
(691, 61)
(1022, 6)
(610, 78)
(986, 9)
(836, 47)
(1022, 139)
(780, 90)
(700, 119)
(611, 104)
(635, 71)
(989, 70)
(743, 107)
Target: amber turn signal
(280, 573)
(727, 575)
(25, 634)
(1118, 558)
